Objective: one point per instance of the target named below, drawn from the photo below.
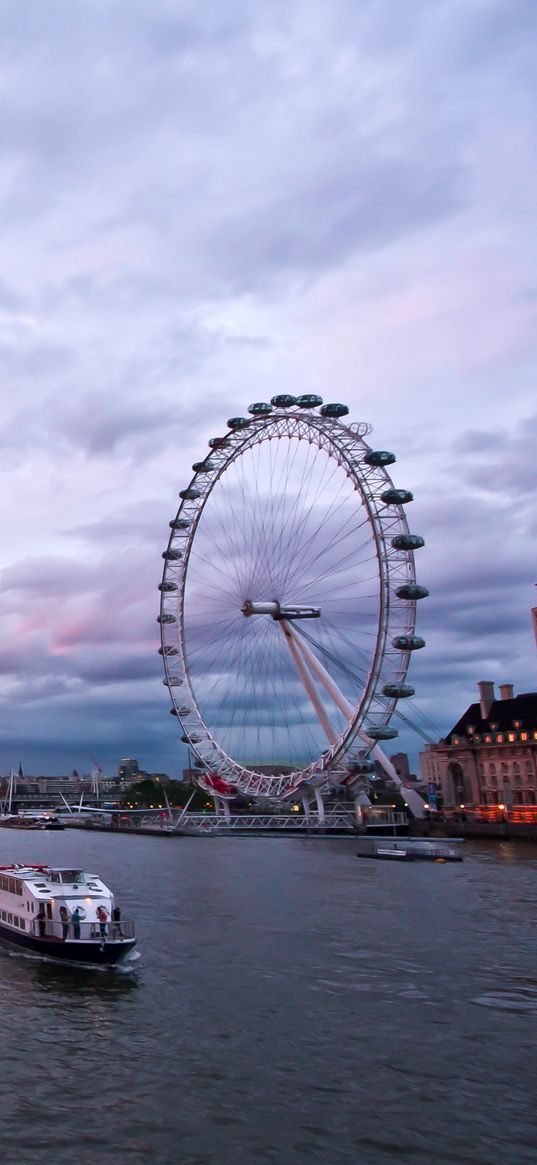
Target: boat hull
(71, 951)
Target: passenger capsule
(284, 401)
(309, 401)
(180, 524)
(238, 422)
(408, 642)
(167, 587)
(398, 691)
(173, 711)
(172, 682)
(191, 739)
(412, 591)
(408, 542)
(259, 409)
(397, 497)
(172, 555)
(379, 457)
(203, 466)
(334, 410)
(361, 767)
(168, 650)
(184, 711)
(216, 442)
(381, 732)
(166, 618)
(189, 495)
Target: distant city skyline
(203, 208)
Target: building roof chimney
(486, 697)
(506, 692)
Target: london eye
(288, 600)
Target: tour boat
(63, 914)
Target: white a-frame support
(308, 666)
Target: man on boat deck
(75, 919)
(64, 915)
(41, 919)
(116, 919)
(102, 917)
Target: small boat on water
(30, 820)
(406, 849)
(64, 914)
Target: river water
(292, 1003)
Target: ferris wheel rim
(348, 448)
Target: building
(489, 758)
(400, 763)
(128, 769)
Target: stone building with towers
(489, 758)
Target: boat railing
(85, 931)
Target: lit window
(511, 736)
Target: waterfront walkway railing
(340, 821)
(86, 932)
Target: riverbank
(501, 830)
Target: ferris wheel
(288, 600)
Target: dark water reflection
(292, 1004)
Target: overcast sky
(203, 205)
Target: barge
(406, 849)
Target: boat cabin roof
(44, 877)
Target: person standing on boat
(102, 918)
(64, 916)
(75, 919)
(116, 922)
(41, 920)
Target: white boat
(62, 914)
(407, 849)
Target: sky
(204, 205)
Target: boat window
(72, 876)
(54, 876)
(11, 885)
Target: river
(291, 1004)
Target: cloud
(202, 208)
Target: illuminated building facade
(489, 758)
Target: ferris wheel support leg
(358, 812)
(222, 808)
(323, 676)
(320, 806)
(410, 796)
(294, 645)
